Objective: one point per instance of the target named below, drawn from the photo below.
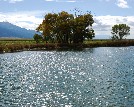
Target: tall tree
(63, 26)
(82, 28)
(48, 26)
(120, 31)
(67, 28)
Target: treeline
(65, 28)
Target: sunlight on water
(93, 77)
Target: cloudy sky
(29, 13)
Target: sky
(106, 13)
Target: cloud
(12, 1)
(122, 4)
(49, 0)
(119, 3)
(26, 19)
(71, 1)
(103, 24)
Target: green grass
(14, 45)
(11, 45)
(16, 41)
(109, 43)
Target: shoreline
(11, 48)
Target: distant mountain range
(8, 30)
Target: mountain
(9, 30)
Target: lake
(93, 77)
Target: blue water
(95, 77)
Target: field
(109, 43)
(11, 45)
(14, 45)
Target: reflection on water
(97, 77)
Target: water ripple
(99, 77)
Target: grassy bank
(15, 45)
(109, 43)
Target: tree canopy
(67, 28)
(120, 31)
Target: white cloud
(103, 24)
(71, 1)
(122, 4)
(12, 1)
(28, 20)
(49, 0)
(119, 3)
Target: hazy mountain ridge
(9, 30)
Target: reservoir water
(93, 77)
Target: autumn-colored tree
(67, 28)
(64, 27)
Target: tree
(120, 31)
(37, 38)
(82, 28)
(66, 28)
